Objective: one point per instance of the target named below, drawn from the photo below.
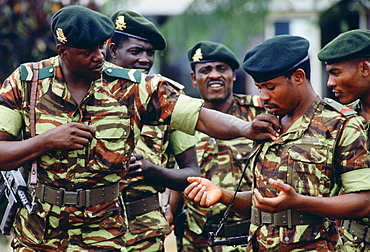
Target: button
(109, 70)
(239, 156)
(51, 70)
(329, 100)
(286, 238)
(314, 233)
(296, 155)
(159, 135)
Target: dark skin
(350, 80)
(139, 54)
(203, 192)
(80, 67)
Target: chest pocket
(154, 140)
(307, 168)
(110, 148)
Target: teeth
(215, 85)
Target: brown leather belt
(78, 198)
(142, 206)
(288, 218)
(360, 230)
(234, 229)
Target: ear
(298, 76)
(234, 76)
(113, 50)
(193, 82)
(61, 51)
(365, 68)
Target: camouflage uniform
(222, 162)
(116, 106)
(304, 157)
(158, 144)
(354, 242)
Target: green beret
(348, 45)
(134, 25)
(80, 27)
(275, 57)
(207, 51)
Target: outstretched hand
(286, 199)
(202, 191)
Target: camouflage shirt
(314, 154)
(117, 106)
(223, 162)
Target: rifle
(229, 241)
(14, 194)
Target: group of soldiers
(102, 139)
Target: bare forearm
(16, 153)
(347, 206)
(174, 179)
(242, 202)
(220, 125)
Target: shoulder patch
(133, 75)
(27, 72)
(253, 100)
(339, 107)
(175, 84)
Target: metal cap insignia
(60, 36)
(120, 23)
(197, 55)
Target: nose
(331, 81)
(99, 54)
(214, 74)
(144, 58)
(264, 96)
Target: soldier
(321, 147)
(347, 60)
(133, 45)
(221, 161)
(85, 120)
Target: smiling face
(133, 53)
(347, 80)
(214, 81)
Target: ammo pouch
(360, 230)
(78, 198)
(142, 206)
(288, 218)
(239, 228)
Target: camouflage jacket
(116, 105)
(223, 162)
(323, 148)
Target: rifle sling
(34, 86)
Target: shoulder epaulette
(339, 107)
(27, 72)
(253, 100)
(175, 84)
(133, 75)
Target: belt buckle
(70, 198)
(266, 218)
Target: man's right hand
(202, 192)
(264, 126)
(70, 136)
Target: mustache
(215, 80)
(269, 104)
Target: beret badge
(60, 36)
(120, 23)
(197, 55)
